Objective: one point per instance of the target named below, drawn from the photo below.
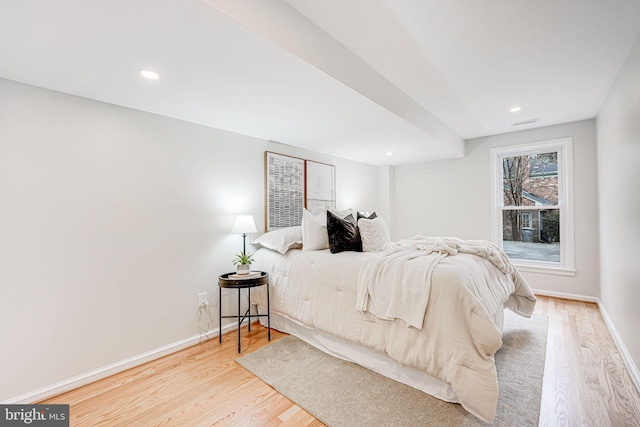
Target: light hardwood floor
(585, 384)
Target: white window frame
(530, 220)
(564, 147)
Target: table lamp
(244, 224)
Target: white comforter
(458, 336)
(397, 284)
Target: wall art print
(320, 190)
(284, 190)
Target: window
(526, 220)
(532, 205)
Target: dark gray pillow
(343, 233)
(364, 215)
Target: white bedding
(458, 337)
(397, 284)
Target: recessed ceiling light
(514, 109)
(389, 153)
(149, 74)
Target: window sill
(544, 269)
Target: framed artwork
(320, 186)
(284, 190)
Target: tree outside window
(531, 180)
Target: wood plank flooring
(585, 379)
(586, 383)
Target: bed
(340, 303)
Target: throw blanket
(397, 285)
(454, 245)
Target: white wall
(387, 196)
(453, 198)
(618, 128)
(111, 222)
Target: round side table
(234, 281)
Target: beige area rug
(340, 393)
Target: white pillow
(314, 231)
(281, 240)
(374, 234)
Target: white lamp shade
(244, 224)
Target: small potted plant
(243, 262)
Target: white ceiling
(349, 78)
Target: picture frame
(284, 190)
(320, 186)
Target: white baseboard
(112, 369)
(617, 339)
(626, 356)
(564, 295)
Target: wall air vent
(525, 122)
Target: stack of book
(251, 275)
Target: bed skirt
(365, 357)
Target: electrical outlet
(202, 299)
